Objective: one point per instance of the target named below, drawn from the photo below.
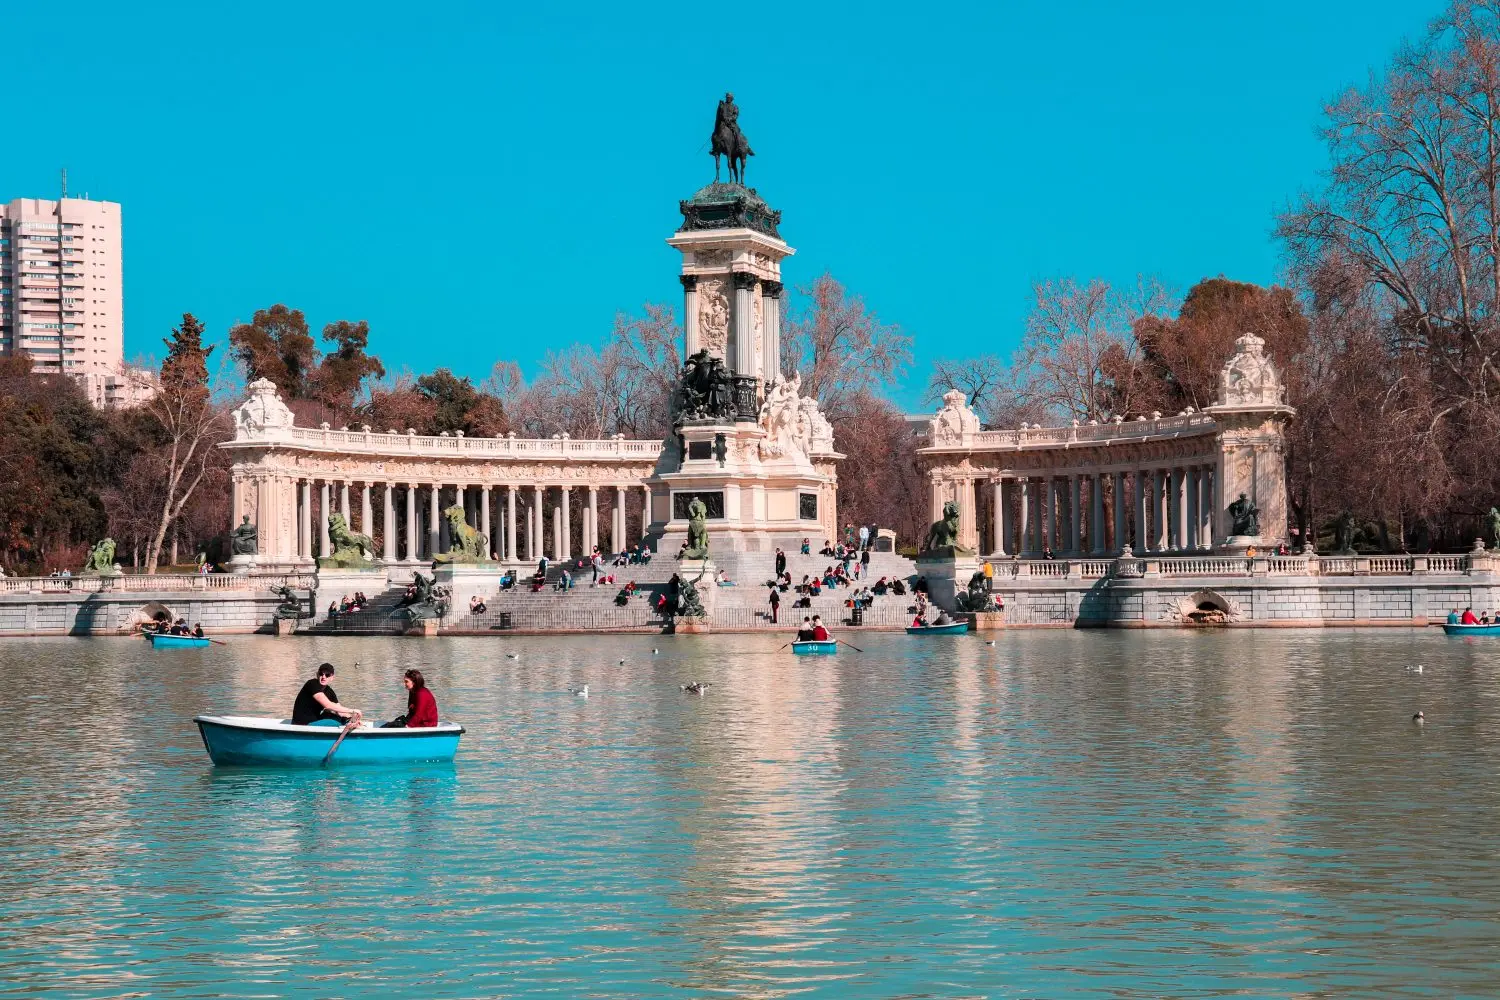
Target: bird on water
(582, 692)
(696, 687)
(1419, 718)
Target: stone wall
(112, 613)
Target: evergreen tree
(187, 358)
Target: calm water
(1110, 814)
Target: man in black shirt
(317, 701)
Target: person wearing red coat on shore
(421, 706)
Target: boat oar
(850, 645)
(783, 646)
(345, 732)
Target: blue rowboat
(239, 739)
(170, 641)
(814, 647)
(1471, 629)
(954, 628)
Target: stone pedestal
(286, 626)
(985, 621)
(464, 581)
(333, 585)
(423, 627)
(691, 626)
(700, 573)
(947, 576)
(242, 565)
(1238, 545)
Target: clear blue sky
(482, 181)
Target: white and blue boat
(810, 647)
(952, 628)
(241, 739)
(1461, 629)
(165, 641)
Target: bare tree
(841, 348)
(189, 427)
(980, 379)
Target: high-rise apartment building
(61, 298)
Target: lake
(1062, 814)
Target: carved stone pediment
(262, 413)
(954, 423)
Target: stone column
(689, 314)
(434, 539)
(1174, 509)
(592, 524)
(1023, 517)
(510, 524)
(539, 519)
(413, 550)
(366, 512)
(444, 541)
(997, 517)
(771, 316)
(1050, 531)
(1122, 531)
(1075, 509)
(1097, 534)
(1179, 492)
(743, 345)
(1159, 509)
(344, 503)
(559, 540)
(617, 536)
(305, 546)
(484, 522)
(389, 528)
(1141, 542)
(566, 548)
(1190, 474)
(323, 509)
(1206, 507)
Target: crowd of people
(164, 626)
(349, 604)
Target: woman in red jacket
(421, 706)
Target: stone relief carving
(262, 412)
(758, 332)
(710, 257)
(1248, 378)
(713, 317)
(954, 421)
(794, 426)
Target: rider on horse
(729, 141)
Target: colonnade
(1165, 509)
(514, 517)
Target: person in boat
(1453, 617)
(198, 631)
(942, 618)
(820, 634)
(421, 706)
(805, 632)
(317, 701)
(1468, 617)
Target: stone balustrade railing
(1216, 566)
(1182, 425)
(372, 443)
(174, 582)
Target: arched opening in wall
(153, 611)
(1208, 608)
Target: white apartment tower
(60, 292)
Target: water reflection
(1061, 813)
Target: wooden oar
(850, 645)
(345, 732)
(783, 647)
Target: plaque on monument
(713, 500)
(807, 506)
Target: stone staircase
(382, 616)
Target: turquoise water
(1089, 814)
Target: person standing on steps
(775, 604)
(780, 563)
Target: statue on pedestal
(1244, 518)
(1343, 535)
(978, 596)
(465, 544)
(244, 540)
(697, 538)
(729, 141)
(1492, 527)
(942, 537)
(704, 389)
(101, 559)
(350, 549)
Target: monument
(243, 546)
(746, 446)
(945, 562)
(1251, 416)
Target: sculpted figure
(729, 141)
(349, 548)
(977, 597)
(244, 540)
(697, 538)
(942, 537)
(101, 558)
(1244, 517)
(465, 544)
(1492, 526)
(1343, 535)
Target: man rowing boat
(317, 701)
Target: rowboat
(813, 647)
(952, 628)
(160, 641)
(1461, 629)
(239, 739)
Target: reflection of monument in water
(745, 440)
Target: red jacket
(820, 634)
(1469, 619)
(421, 709)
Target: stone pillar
(1075, 509)
(1023, 517)
(389, 528)
(566, 549)
(646, 511)
(1051, 534)
(997, 517)
(1190, 475)
(366, 512)
(510, 525)
(743, 336)
(591, 526)
(444, 541)
(689, 314)
(559, 540)
(484, 523)
(305, 546)
(344, 503)
(617, 535)
(968, 524)
(323, 510)
(771, 316)
(1141, 542)
(934, 497)
(434, 539)
(413, 550)
(1205, 507)
(1174, 509)
(539, 517)
(1122, 531)
(1097, 534)
(1158, 513)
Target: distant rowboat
(1461, 629)
(953, 628)
(815, 646)
(163, 641)
(242, 739)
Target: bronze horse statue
(729, 141)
